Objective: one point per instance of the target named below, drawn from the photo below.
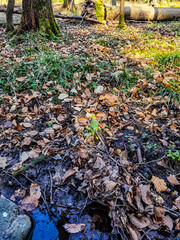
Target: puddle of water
(44, 227)
(94, 217)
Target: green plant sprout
(93, 128)
(174, 155)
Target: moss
(99, 10)
(121, 21)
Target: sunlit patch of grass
(169, 59)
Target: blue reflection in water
(45, 228)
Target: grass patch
(169, 59)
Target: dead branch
(58, 15)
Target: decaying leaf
(18, 194)
(62, 96)
(29, 203)
(3, 162)
(159, 214)
(140, 222)
(145, 192)
(24, 156)
(173, 180)
(69, 173)
(74, 228)
(132, 233)
(109, 185)
(159, 184)
(167, 221)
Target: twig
(9, 174)
(82, 18)
(140, 160)
(144, 163)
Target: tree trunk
(38, 15)
(121, 14)
(69, 5)
(9, 16)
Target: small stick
(140, 160)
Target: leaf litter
(122, 163)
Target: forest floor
(90, 129)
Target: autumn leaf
(159, 184)
(31, 202)
(74, 228)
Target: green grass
(169, 59)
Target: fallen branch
(58, 15)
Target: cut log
(144, 13)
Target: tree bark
(121, 14)
(38, 15)
(9, 16)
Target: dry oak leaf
(109, 185)
(29, 203)
(159, 184)
(74, 228)
(173, 180)
(139, 222)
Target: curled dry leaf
(141, 114)
(159, 184)
(63, 96)
(74, 228)
(109, 185)
(173, 180)
(139, 222)
(29, 203)
(132, 233)
(69, 173)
